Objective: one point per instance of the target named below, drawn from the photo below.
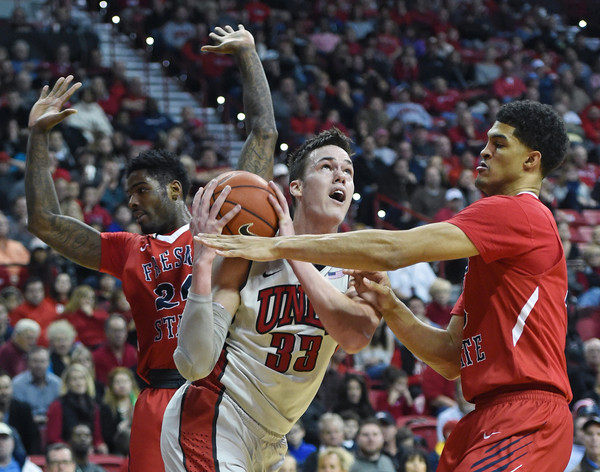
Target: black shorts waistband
(165, 378)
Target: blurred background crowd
(415, 83)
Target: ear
(296, 188)
(175, 190)
(533, 161)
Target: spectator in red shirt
(467, 133)
(13, 353)
(454, 203)
(439, 308)
(86, 318)
(93, 213)
(590, 122)
(441, 99)
(439, 392)
(508, 86)
(36, 306)
(258, 12)
(396, 398)
(115, 352)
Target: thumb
(67, 112)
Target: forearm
(349, 322)
(70, 237)
(257, 153)
(438, 348)
(42, 201)
(201, 337)
(376, 250)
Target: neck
(304, 225)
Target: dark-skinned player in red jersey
(155, 268)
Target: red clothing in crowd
(98, 215)
(398, 409)
(508, 88)
(54, 426)
(435, 385)
(90, 329)
(438, 313)
(12, 358)
(105, 360)
(44, 313)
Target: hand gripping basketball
(257, 217)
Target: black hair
(297, 160)
(540, 128)
(162, 165)
(410, 454)
(391, 374)
(363, 407)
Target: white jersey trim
(171, 238)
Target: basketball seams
(247, 191)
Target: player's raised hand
(48, 111)
(204, 216)
(229, 41)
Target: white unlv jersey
(277, 350)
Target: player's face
(150, 205)
(502, 161)
(325, 192)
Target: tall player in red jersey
(156, 267)
(506, 339)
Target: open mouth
(338, 196)
(482, 165)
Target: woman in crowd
(117, 408)
(88, 320)
(75, 405)
(354, 395)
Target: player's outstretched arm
(257, 152)
(364, 250)
(438, 348)
(349, 320)
(70, 237)
(203, 325)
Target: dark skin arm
(257, 153)
(70, 237)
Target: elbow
(447, 370)
(33, 227)
(267, 132)
(354, 343)
(189, 369)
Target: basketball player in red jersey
(156, 267)
(506, 339)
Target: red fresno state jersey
(513, 300)
(156, 272)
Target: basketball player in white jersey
(256, 350)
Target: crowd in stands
(415, 83)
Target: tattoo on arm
(257, 153)
(70, 237)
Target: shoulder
(53, 379)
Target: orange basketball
(257, 217)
